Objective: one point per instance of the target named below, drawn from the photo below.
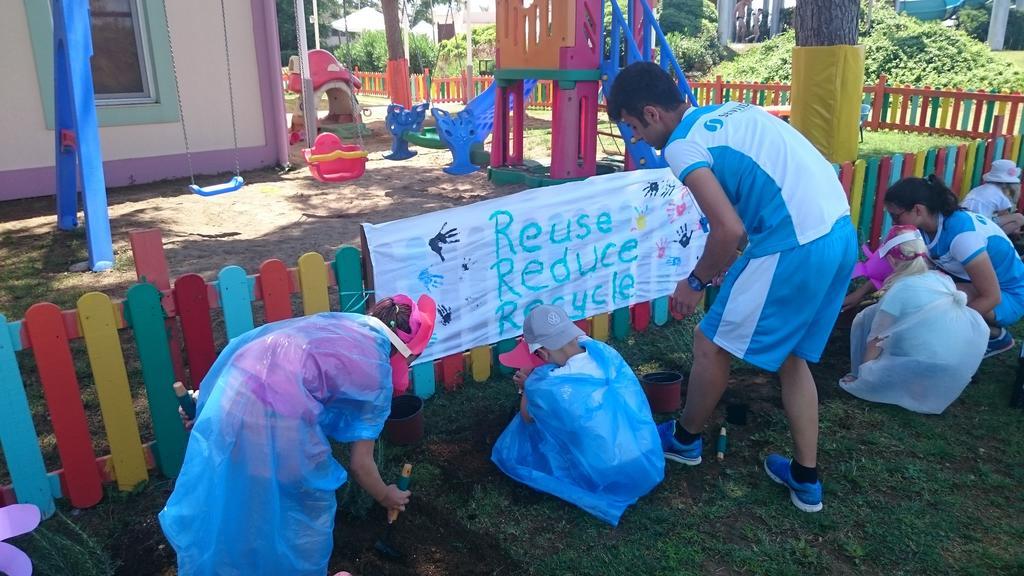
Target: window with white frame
(121, 67)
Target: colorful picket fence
(168, 327)
(448, 89)
(170, 330)
(949, 112)
(961, 167)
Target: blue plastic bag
(256, 494)
(593, 441)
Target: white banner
(590, 247)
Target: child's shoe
(999, 344)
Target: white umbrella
(424, 29)
(362, 20)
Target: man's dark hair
(642, 84)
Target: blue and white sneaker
(806, 497)
(999, 344)
(688, 454)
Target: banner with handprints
(590, 247)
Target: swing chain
(302, 106)
(231, 92)
(177, 90)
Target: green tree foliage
(451, 54)
(903, 48)
(974, 21)
(687, 17)
(327, 11)
(370, 53)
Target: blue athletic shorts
(1010, 309)
(784, 303)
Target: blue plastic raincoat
(256, 494)
(593, 441)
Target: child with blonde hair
(920, 344)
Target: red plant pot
(663, 390)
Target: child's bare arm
(365, 472)
(858, 295)
(524, 411)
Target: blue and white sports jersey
(963, 236)
(785, 192)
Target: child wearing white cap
(996, 198)
(585, 432)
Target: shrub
(422, 53)
(686, 17)
(369, 52)
(699, 53)
(903, 48)
(451, 54)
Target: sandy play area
(273, 216)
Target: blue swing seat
(229, 186)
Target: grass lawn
(1015, 56)
(889, 142)
(905, 493)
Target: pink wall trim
(41, 181)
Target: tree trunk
(393, 29)
(827, 22)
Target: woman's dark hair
(642, 84)
(930, 192)
(393, 314)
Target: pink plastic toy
(15, 520)
(875, 268)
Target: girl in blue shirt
(969, 247)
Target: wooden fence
(949, 112)
(448, 89)
(866, 181)
(168, 327)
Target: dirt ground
(274, 216)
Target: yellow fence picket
(99, 328)
(313, 284)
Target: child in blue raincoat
(585, 432)
(256, 494)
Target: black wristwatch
(696, 284)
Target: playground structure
(338, 84)
(76, 134)
(463, 132)
(563, 42)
